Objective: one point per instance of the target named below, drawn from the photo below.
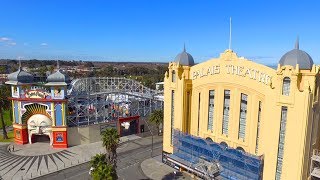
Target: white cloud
(2, 39)
(43, 44)
(7, 41)
(12, 43)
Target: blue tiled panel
(236, 164)
(58, 111)
(16, 113)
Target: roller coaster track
(103, 99)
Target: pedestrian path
(153, 168)
(16, 165)
(34, 160)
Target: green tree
(160, 87)
(89, 64)
(5, 104)
(97, 159)
(104, 171)
(42, 70)
(3, 69)
(101, 169)
(51, 68)
(156, 118)
(110, 140)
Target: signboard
(18, 135)
(35, 94)
(233, 70)
(59, 137)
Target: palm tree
(110, 140)
(156, 118)
(5, 104)
(101, 169)
(97, 159)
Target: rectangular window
(258, 127)
(243, 116)
(286, 86)
(172, 116)
(282, 134)
(211, 110)
(173, 76)
(226, 111)
(188, 112)
(199, 115)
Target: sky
(155, 30)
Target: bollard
(40, 172)
(31, 175)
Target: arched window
(240, 149)
(286, 86)
(224, 144)
(173, 76)
(209, 140)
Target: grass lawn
(6, 116)
(10, 135)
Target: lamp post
(151, 137)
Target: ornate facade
(39, 109)
(234, 102)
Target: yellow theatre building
(232, 118)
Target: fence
(233, 163)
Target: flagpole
(230, 31)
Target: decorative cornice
(37, 100)
(228, 55)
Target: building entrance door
(39, 128)
(41, 138)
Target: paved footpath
(34, 160)
(153, 168)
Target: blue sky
(150, 30)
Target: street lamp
(151, 136)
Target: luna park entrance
(129, 125)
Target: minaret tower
(57, 82)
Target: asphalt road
(128, 165)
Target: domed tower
(296, 67)
(184, 58)
(17, 80)
(20, 77)
(297, 56)
(177, 80)
(20, 82)
(57, 82)
(298, 79)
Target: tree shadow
(173, 175)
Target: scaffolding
(215, 160)
(315, 165)
(106, 99)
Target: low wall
(91, 133)
(86, 134)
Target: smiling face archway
(39, 124)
